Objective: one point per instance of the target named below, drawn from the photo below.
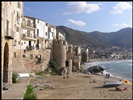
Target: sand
(79, 86)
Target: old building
(51, 34)
(17, 22)
(85, 57)
(59, 52)
(28, 36)
(77, 57)
(60, 36)
(42, 33)
(11, 23)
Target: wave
(114, 68)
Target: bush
(40, 73)
(53, 66)
(29, 93)
(14, 77)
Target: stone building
(59, 52)
(77, 57)
(85, 57)
(69, 58)
(17, 22)
(10, 21)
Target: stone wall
(59, 52)
(27, 63)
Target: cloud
(78, 23)
(81, 7)
(120, 25)
(120, 7)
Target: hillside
(121, 38)
(76, 37)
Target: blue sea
(121, 69)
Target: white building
(28, 36)
(60, 36)
(42, 33)
(51, 34)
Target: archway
(5, 63)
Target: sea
(120, 69)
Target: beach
(80, 86)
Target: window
(17, 29)
(19, 43)
(14, 54)
(28, 33)
(23, 19)
(46, 24)
(31, 56)
(38, 20)
(7, 27)
(24, 51)
(46, 33)
(37, 32)
(19, 5)
(18, 18)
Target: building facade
(10, 21)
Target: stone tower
(85, 56)
(59, 52)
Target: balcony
(29, 26)
(28, 37)
(9, 34)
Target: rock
(95, 69)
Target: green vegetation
(53, 66)
(14, 77)
(95, 39)
(40, 73)
(29, 93)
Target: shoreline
(106, 71)
(80, 86)
(97, 60)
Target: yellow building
(10, 20)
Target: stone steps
(6, 86)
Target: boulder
(95, 69)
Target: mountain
(79, 38)
(121, 38)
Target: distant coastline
(96, 60)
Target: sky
(83, 16)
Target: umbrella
(126, 81)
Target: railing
(10, 34)
(28, 24)
(30, 36)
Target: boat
(112, 84)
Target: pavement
(17, 90)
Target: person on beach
(119, 89)
(64, 72)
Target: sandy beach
(79, 86)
